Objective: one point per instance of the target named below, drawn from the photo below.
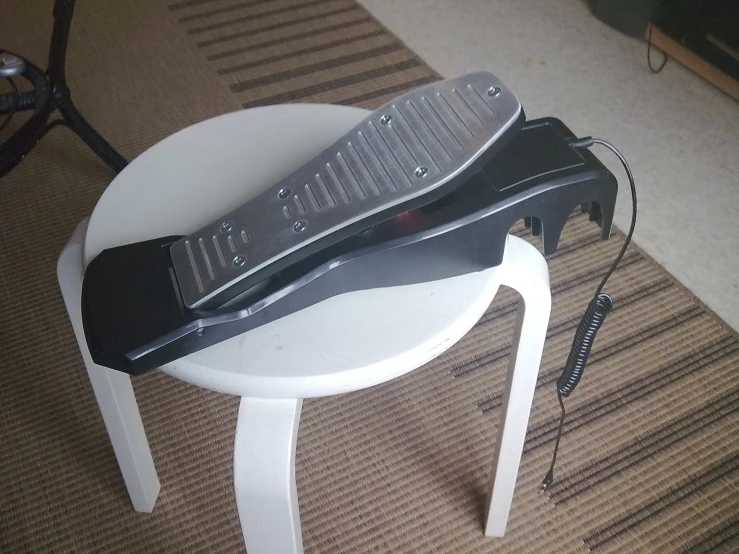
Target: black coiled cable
(593, 318)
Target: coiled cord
(594, 316)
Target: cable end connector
(546, 483)
(584, 142)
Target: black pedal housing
(135, 320)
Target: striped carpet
(648, 461)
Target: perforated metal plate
(407, 148)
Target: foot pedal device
(426, 187)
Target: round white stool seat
(345, 343)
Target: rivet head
(239, 261)
(200, 332)
(226, 226)
(494, 91)
(385, 119)
(284, 193)
(421, 172)
(299, 226)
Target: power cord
(594, 316)
(649, 42)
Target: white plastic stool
(191, 178)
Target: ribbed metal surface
(407, 148)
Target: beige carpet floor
(649, 459)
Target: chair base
(52, 94)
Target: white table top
(345, 343)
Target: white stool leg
(112, 389)
(525, 270)
(264, 475)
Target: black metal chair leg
(51, 93)
(92, 138)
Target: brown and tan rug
(649, 459)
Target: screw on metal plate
(299, 226)
(421, 172)
(494, 91)
(284, 193)
(200, 332)
(239, 261)
(226, 226)
(385, 119)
